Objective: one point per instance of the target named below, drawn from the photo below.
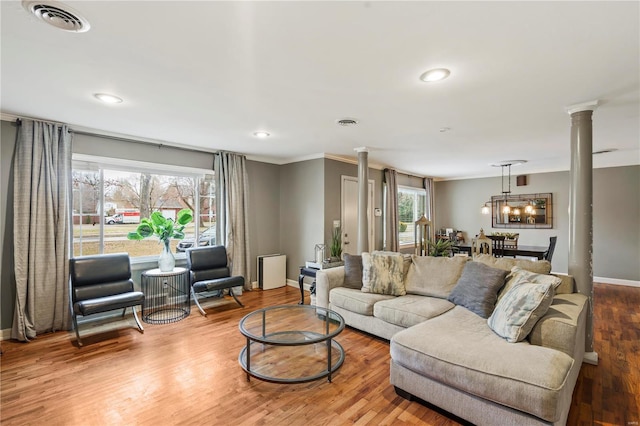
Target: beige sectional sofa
(449, 356)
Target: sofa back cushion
(506, 263)
(433, 276)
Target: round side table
(166, 296)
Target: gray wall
(301, 212)
(8, 132)
(616, 228)
(264, 210)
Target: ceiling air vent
(347, 122)
(57, 14)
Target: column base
(590, 358)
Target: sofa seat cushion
(458, 349)
(410, 310)
(355, 300)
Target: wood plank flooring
(188, 373)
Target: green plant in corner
(336, 243)
(441, 248)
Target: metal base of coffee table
(279, 354)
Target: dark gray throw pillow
(352, 271)
(477, 289)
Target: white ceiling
(209, 74)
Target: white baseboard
(616, 281)
(6, 334)
(294, 283)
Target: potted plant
(164, 229)
(440, 248)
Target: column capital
(361, 149)
(584, 106)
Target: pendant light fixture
(506, 187)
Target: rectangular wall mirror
(524, 211)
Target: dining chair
(498, 245)
(548, 255)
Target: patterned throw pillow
(382, 273)
(520, 309)
(519, 275)
(477, 288)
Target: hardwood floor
(187, 373)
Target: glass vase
(166, 261)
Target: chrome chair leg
(234, 297)
(123, 312)
(75, 327)
(195, 299)
(135, 316)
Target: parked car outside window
(207, 238)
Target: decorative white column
(363, 199)
(581, 211)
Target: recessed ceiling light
(108, 99)
(436, 74)
(261, 134)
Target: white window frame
(416, 191)
(84, 162)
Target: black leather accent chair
(209, 271)
(102, 283)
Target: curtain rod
(120, 138)
(406, 174)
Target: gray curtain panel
(391, 213)
(232, 208)
(429, 208)
(41, 239)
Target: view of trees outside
(411, 207)
(128, 197)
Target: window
(109, 201)
(411, 206)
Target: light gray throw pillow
(520, 309)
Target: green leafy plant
(402, 226)
(161, 227)
(440, 248)
(336, 242)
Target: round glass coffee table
(291, 343)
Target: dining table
(528, 251)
